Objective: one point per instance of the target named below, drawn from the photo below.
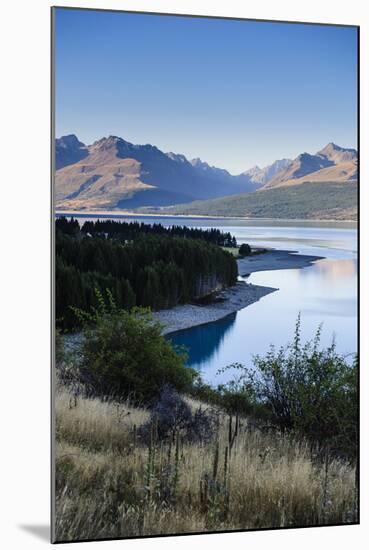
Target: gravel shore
(274, 259)
(236, 297)
(232, 299)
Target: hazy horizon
(234, 93)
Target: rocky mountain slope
(264, 175)
(68, 150)
(113, 173)
(332, 163)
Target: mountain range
(332, 163)
(113, 173)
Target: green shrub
(124, 354)
(244, 250)
(309, 390)
(234, 397)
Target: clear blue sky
(235, 93)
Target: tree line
(151, 270)
(128, 231)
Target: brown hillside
(98, 181)
(343, 172)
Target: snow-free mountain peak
(69, 150)
(332, 163)
(263, 175)
(114, 173)
(337, 154)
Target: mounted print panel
(205, 204)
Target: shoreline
(235, 298)
(274, 259)
(187, 316)
(131, 214)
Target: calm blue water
(324, 293)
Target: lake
(324, 293)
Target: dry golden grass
(95, 425)
(110, 485)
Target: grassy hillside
(327, 200)
(110, 484)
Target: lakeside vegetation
(310, 200)
(144, 446)
(149, 266)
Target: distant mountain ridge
(332, 163)
(337, 154)
(264, 175)
(113, 173)
(68, 150)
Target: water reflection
(334, 271)
(203, 342)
